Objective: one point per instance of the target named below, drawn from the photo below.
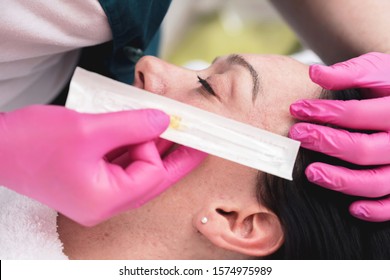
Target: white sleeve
(39, 46)
(40, 27)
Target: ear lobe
(252, 231)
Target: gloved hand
(62, 159)
(371, 72)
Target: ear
(252, 231)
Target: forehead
(283, 81)
(274, 64)
(283, 75)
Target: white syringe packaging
(190, 126)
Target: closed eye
(206, 86)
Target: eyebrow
(235, 59)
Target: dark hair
(316, 221)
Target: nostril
(150, 80)
(141, 77)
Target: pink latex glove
(371, 72)
(62, 159)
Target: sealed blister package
(190, 126)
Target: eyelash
(206, 86)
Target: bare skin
(169, 227)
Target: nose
(160, 77)
(149, 75)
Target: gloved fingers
(122, 160)
(177, 164)
(112, 130)
(119, 189)
(181, 161)
(151, 177)
(366, 183)
(145, 152)
(370, 114)
(358, 148)
(145, 158)
(133, 186)
(143, 171)
(163, 145)
(116, 153)
(371, 210)
(364, 71)
(122, 155)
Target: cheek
(213, 179)
(273, 115)
(275, 109)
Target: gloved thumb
(113, 130)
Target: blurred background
(203, 29)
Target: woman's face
(253, 89)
